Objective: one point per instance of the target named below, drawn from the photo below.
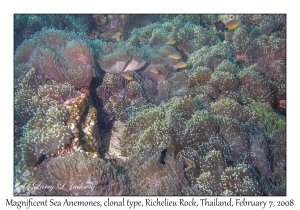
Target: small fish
(26, 173)
(127, 77)
(154, 71)
(113, 99)
(40, 160)
(162, 156)
(232, 24)
(282, 104)
(175, 56)
(180, 65)
(128, 42)
(171, 41)
(229, 162)
(220, 26)
(188, 162)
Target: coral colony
(150, 104)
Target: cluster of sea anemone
(181, 105)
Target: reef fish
(232, 24)
(220, 26)
(175, 56)
(188, 162)
(127, 77)
(162, 156)
(180, 65)
(113, 99)
(128, 42)
(154, 71)
(40, 160)
(282, 104)
(171, 41)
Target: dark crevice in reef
(104, 126)
(105, 140)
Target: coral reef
(150, 104)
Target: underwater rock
(116, 28)
(90, 139)
(76, 108)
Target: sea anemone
(114, 62)
(148, 177)
(138, 60)
(133, 91)
(114, 83)
(46, 63)
(224, 81)
(24, 51)
(155, 72)
(123, 60)
(44, 134)
(255, 86)
(235, 133)
(184, 108)
(82, 174)
(199, 77)
(53, 39)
